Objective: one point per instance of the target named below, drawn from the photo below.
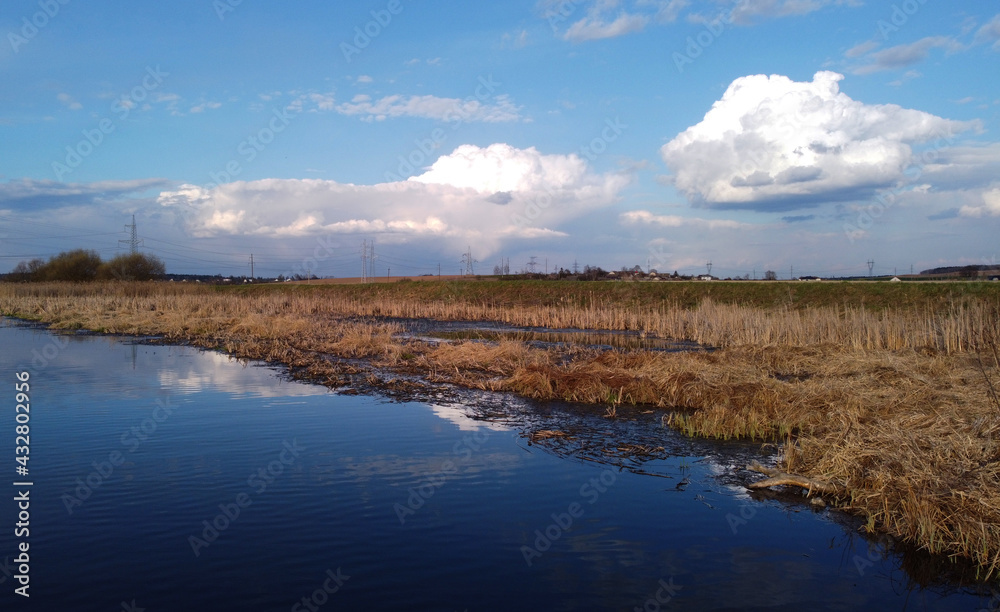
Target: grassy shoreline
(881, 390)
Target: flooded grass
(589, 339)
(894, 405)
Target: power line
(367, 260)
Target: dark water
(389, 506)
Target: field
(883, 395)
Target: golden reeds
(897, 406)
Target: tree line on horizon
(82, 265)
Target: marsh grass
(895, 404)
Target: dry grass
(898, 407)
(711, 323)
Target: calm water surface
(170, 478)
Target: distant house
(810, 278)
(706, 277)
(895, 279)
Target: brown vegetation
(894, 411)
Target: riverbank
(890, 404)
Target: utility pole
(439, 270)
(251, 266)
(576, 268)
(709, 265)
(133, 241)
(791, 273)
(531, 265)
(871, 264)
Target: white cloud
(478, 195)
(313, 102)
(644, 217)
(990, 206)
(205, 105)
(503, 168)
(364, 78)
(774, 144)
(595, 27)
(68, 100)
(961, 167)
(432, 107)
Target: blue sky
(803, 136)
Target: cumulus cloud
(773, 144)
(484, 195)
(432, 107)
(503, 168)
(990, 206)
(961, 167)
